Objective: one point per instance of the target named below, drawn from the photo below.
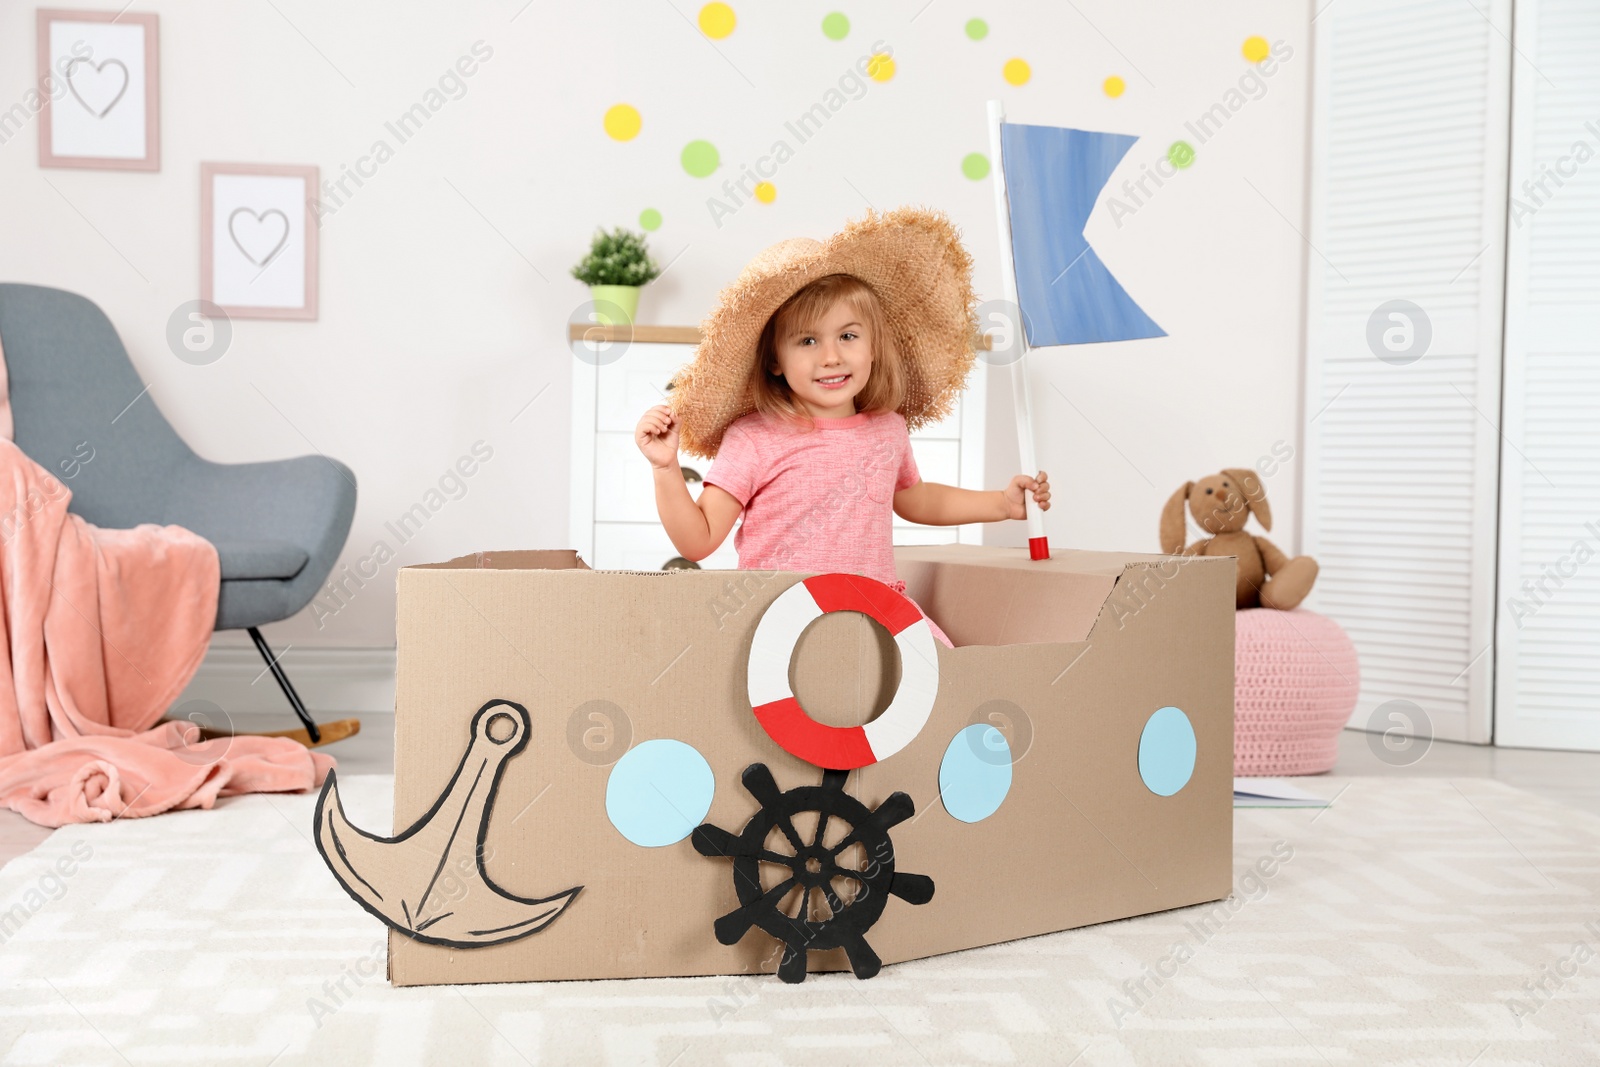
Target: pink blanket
(102, 629)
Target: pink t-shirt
(821, 500)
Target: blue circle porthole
(1166, 752)
(975, 774)
(659, 792)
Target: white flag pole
(1038, 543)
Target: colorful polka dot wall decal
(1166, 752)
(717, 21)
(1017, 71)
(835, 26)
(622, 122)
(766, 192)
(975, 165)
(650, 219)
(700, 158)
(1256, 49)
(880, 68)
(659, 792)
(977, 29)
(1181, 154)
(1114, 86)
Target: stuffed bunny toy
(1222, 504)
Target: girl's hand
(657, 437)
(1016, 498)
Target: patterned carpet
(1419, 921)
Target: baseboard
(331, 681)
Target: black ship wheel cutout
(813, 866)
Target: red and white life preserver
(780, 714)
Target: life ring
(841, 748)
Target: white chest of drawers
(614, 524)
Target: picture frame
(99, 75)
(258, 239)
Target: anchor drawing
(429, 883)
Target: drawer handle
(678, 563)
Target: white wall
(1213, 255)
(445, 294)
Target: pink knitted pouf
(1295, 679)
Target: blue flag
(1053, 177)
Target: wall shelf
(667, 335)
(614, 524)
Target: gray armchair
(278, 526)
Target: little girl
(824, 462)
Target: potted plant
(617, 264)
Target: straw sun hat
(913, 260)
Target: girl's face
(827, 366)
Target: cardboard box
(1069, 658)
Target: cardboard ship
(609, 774)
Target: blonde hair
(885, 388)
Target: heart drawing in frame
(96, 86)
(254, 235)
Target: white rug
(1409, 923)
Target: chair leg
(285, 684)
